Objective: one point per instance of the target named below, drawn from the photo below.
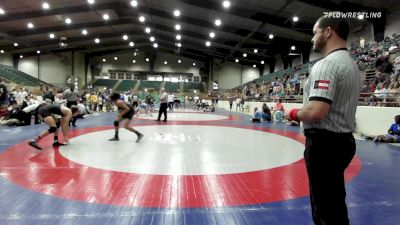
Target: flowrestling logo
(354, 15)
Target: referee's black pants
(163, 110)
(327, 155)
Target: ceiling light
(104, 60)
(256, 51)
(115, 58)
(194, 64)
(97, 40)
(208, 44)
(2, 51)
(179, 45)
(218, 22)
(68, 21)
(360, 16)
(133, 61)
(244, 55)
(148, 30)
(237, 60)
(52, 36)
(125, 37)
(131, 44)
(178, 37)
(293, 48)
(177, 13)
(106, 17)
(30, 25)
(155, 45)
(134, 3)
(2, 12)
(262, 62)
(295, 18)
(152, 39)
(15, 44)
(179, 61)
(147, 59)
(226, 4)
(134, 54)
(177, 27)
(254, 66)
(38, 51)
(84, 32)
(142, 19)
(212, 35)
(165, 62)
(90, 2)
(21, 56)
(45, 5)
(271, 36)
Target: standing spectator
(100, 100)
(3, 95)
(230, 98)
(163, 104)
(72, 97)
(171, 102)
(387, 68)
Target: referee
(328, 115)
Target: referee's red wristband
(293, 114)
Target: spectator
(3, 95)
(393, 135)
(266, 113)
(278, 111)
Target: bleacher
(126, 85)
(172, 86)
(193, 86)
(104, 83)
(13, 75)
(155, 85)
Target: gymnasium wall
(369, 120)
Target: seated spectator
(381, 93)
(393, 135)
(394, 86)
(266, 113)
(257, 116)
(16, 116)
(379, 78)
(278, 111)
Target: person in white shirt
(21, 95)
(163, 104)
(171, 102)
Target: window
(196, 79)
(121, 76)
(167, 79)
(159, 78)
(129, 76)
(174, 79)
(151, 78)
(113, 76)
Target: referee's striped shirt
(336, 80)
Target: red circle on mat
(48, 172)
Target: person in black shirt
(125, 112)
(48, 113)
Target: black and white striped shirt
(336, 80)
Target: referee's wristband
(293, 114)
